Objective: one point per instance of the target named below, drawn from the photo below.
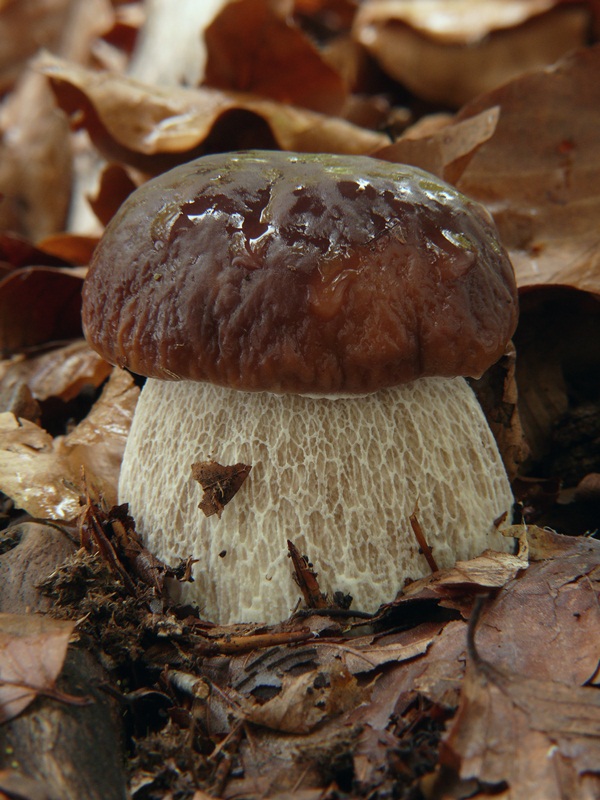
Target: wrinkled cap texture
(300, 273)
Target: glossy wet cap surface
(300, 273)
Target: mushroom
(312, 316)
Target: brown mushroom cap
(300, 273)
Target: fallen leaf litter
(480, 680)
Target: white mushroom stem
(339, 477)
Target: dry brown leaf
(522, 698)
(62, 372)
(428, 661)
(554, 601)
(366, 654)
(254, 46)
(111, 415)
(15, 786)
(437, 675)
(462, 22)
(41, 549)
(35, 160)
(539, 173)
(16, 251)
(449, 51)
(254, 673)
(115, 185)
(490, 570)
(447, 151)
(19, 400)
(544, 544)
(154, 128)
(541, 737)
(98, 442)
(33, 473)
(32, 652)
(68, 27)
(291, 761)
(70, 247)
(306, 700)
(39, 305)
(529, 631)
(87, 168)
(43, 475)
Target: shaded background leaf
(254, 46)
(154, 129)
(539, 173)
(39, 305)
(449, 52)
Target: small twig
(488, 671)
(95, 537)
(232, 645)
(353, 651)
(49, 691)
(252, 745)
(224, 767)
(300, 780)
(472, 652)
(421, 540)
(332, 611)
(306, 578)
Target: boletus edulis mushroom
(312, 316)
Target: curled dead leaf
(114, 187)
(17, 251)
(61, 372)
(33, 471)
(366, 654)
(97, 443)
(43, 475)
(447, 150)
(450, 52)
(14, 784)
(28, 25)
(487, 571)
(75, 249)
(155, 128)
(290, 69)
